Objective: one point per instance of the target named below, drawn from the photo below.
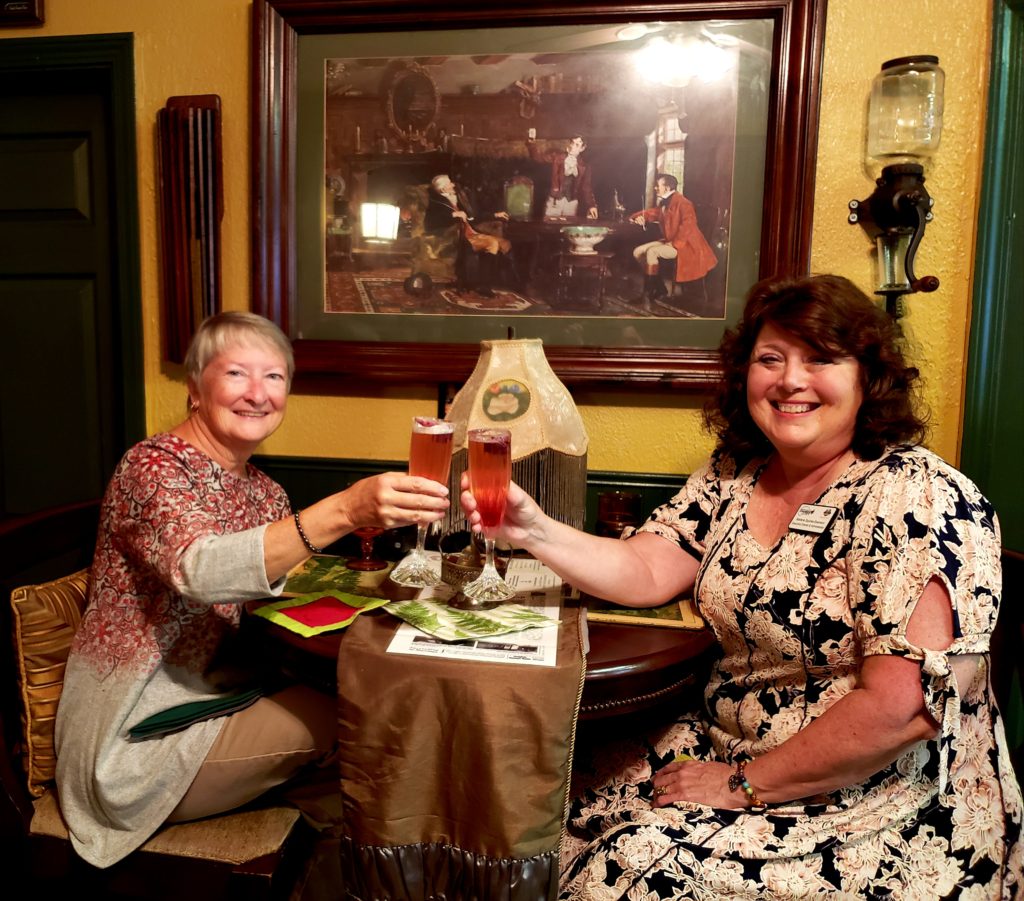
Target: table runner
(454, 773)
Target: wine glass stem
(421, 538)
(488, 553)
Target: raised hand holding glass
(430, 457)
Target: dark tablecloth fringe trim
(431, 871)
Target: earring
(193, 407)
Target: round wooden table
(630, 669)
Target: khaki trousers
(653, 251)
(261, 747)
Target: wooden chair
(688, 294)
(433, 256)
(257, 852)
(518, 194)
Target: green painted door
(71, 381)
(56, 382)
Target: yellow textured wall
(859, 37)
(202, 46)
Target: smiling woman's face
(804, 401)
(242, 395)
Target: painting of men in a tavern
(534, 184)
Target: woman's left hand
(696, 781)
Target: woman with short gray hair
(189, 531)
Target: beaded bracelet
(312, 548)
(738, 780)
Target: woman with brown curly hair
(850, 745)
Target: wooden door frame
(112, 55)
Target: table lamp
(514, 387)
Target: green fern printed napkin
(450, 624)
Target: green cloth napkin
(325, 572)
(450, 624)
(321, 611)
(174, 719)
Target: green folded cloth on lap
(174, 719)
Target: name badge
(813, 518)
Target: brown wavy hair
(836, 318)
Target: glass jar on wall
(905, 110)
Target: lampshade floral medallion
(514, 387)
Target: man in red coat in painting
(681, 240)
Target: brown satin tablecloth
(454, 773)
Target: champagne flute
(490, 469)
(366, 561)
(430, 456)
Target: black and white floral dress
(794, 622)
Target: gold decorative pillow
(45, 618)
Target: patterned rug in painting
(383, 291)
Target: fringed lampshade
(514, 387)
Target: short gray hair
(234, 327)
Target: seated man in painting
(570, 180)
(681, 240)
(483, 259)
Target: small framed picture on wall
(17, 13)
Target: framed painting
(610, 178)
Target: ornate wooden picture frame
(295, 43)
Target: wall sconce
(904, 128)
(379, 221)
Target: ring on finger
(660, 790)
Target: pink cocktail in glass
(430, 450)
(490, 470)
(430, 457)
